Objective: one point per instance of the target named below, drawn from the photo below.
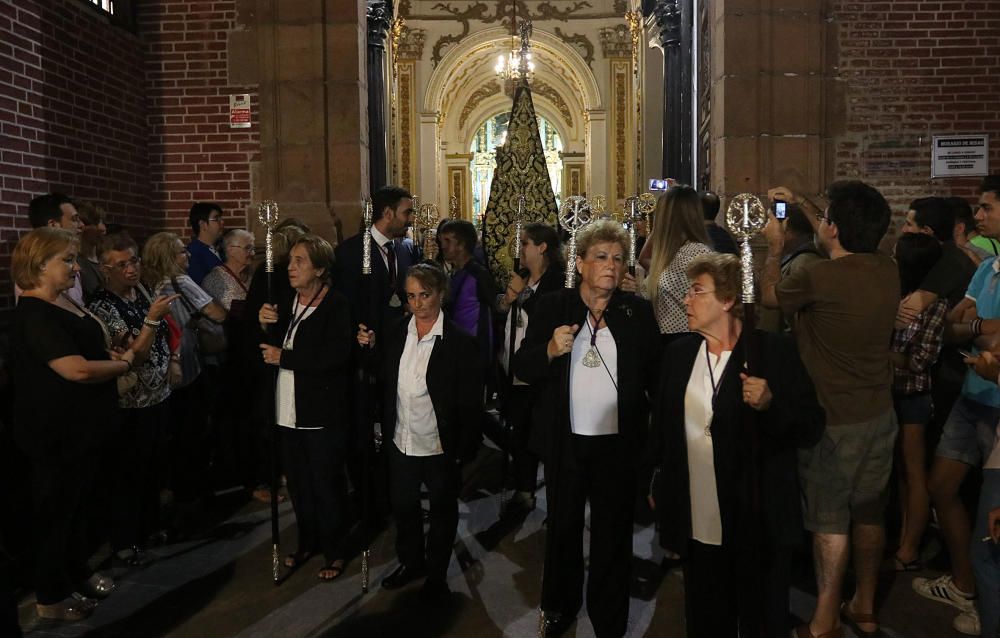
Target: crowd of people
(145, 377)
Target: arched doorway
(492, 133)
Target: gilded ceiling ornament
(542, 89)
(580, 43)
(616, 41)
(411, 43)
(396, 30)
(489, 89)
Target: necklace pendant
(394, 301)
(591, 359)
(520, 320)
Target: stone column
(675, 20)
(314, 103)
(379, 14)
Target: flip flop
(331, 566)
(851, 619)
(293, 561)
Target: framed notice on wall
(960, 155)
(239, 110)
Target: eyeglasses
(217, 220)
(124, 265)
(250, 249)
(692, 293)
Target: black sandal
(331, 566)
(296, 560)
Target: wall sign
(239, 110)
(960, 155)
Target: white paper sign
(960, 155)
(239, 110)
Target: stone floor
(219, 584)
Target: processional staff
(574, 215)
(636, 209)
(267, 214)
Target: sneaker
(967, 623)
(942, 589)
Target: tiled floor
(220, 585)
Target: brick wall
(193, 153)
(71, 115)
(912, 70)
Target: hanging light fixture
(518, 61)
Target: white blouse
(706, 519)
(593, 405)
(416, 423)
(285, 403)
(522, 329)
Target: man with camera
(842, 311)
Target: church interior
(143, 107)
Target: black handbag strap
(195, 313)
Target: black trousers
(594, 468)
(726, 596)
(190, 441)
(135, 498)
(525, 462)
(442, 476)
(60, 488)
(313, 461)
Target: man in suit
(384, 297)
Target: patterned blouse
(124, 315)
(225, 287)
(671, 314)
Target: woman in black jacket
(433, 404)
(543, 272)
(706, 415)
(593, 353)
(311, 402)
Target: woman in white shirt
(431, 413)
(313, 326)
(677, 238)
(543, 271)
(723, 439)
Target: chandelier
(517, 64)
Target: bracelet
(976, 327)
(152, 324)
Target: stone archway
(463, 91)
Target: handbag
(124, 382)
(211, 336)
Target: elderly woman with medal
(593, 352)
(725, 437)
(311, 400)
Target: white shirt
(380, 241)
(286, 378)
(593, 404)
(706, 519)
(416, 424)
(522, 329)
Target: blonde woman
(677, 239)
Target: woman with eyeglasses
(592, 352)
(677, 238)
(134, 319)
(737, 567)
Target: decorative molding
(458, 177)
(547, 91)
(580, 43)
(480, 12)
(616, 41)
(489, 89)
(379, 15)
(668, 18)
(621, 6)
(445, 41)
(406, 125)
(411, 43)
(621, 82)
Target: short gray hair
(235, 235)
(599, 232)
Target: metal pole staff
(267, 214)
(574, 214)
(367, 387)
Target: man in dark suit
(384, 297)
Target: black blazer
(320, 361)
(347, 279)
(454, 382)
(794, 419)
(637, 337)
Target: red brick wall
(72, 116)
(912, 70)
(193, 153)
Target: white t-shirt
(416, 423)
(706, 519)
(285, 391)
(593, 405)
